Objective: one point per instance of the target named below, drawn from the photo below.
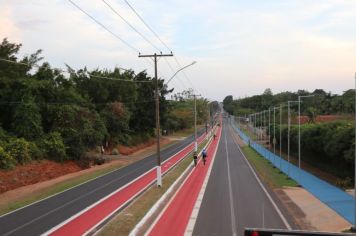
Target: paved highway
(44, 215)
(234, 198)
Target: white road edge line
(193, 217)
(154, 208)
(264, 189)
(104, 198)
(170, 201)
(232, 208)
(53, 195)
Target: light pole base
(195, 146)
(159, 176)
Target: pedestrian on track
(204, 154)
(195, 156)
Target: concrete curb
(162, 199)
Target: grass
(56, 189)
(126, 220)
(41, 194)
(186, 132)
(272, 176)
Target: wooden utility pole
(159, 173)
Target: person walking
(195, 156)
(204, 154)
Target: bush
(6, 160)
(19, 149)
(115, 152)
(329, 146)
(35, 151)
(54, 147)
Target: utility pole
(159, 173)
(195, 122)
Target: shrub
(115, 152)
(35, 151)
(19, 149)
(6, 160)
(54, 147)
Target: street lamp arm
(181, 70)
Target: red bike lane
(93, 216)
(175, 217)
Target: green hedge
(329, 146)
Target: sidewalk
(333, 197)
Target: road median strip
(167, 223)
(94, 215)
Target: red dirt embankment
(125, 150)
(39, 171)
(320, 119)
(35, 172)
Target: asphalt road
(44, 215)
(233, 198)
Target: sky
(241, 47)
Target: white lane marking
(264, 189)
(232, 209)
(53, 195)
(107, 196)
(172, 198)
(194, 216)
(84, 195)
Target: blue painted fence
(334, 197)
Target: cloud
(242, 47)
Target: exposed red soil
(128, 150)
(34, 172)
(320, 119)
(39, 171)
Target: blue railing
(332, 196)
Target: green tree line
(329, 146)
(59, 115)
(321, 104)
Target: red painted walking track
(90, 218)
(175, 218)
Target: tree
(27, 119)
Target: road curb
(193, 217)
(163, 198)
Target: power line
(131, 26)
(170, 66)
(143, 21)
(90, 74)
(185, 74)
(153, 32)
(104, 27)
(125, 80)
(73, 103)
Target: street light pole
(288, 137)
(195, 121)
(280, 137)
(289, 122)
(274, 130)
(299, 100)
(354, 227)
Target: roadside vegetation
(30, 197)
(125, 221)
(47, 113)
(272, 176)
(327, 130)
(38, 195)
